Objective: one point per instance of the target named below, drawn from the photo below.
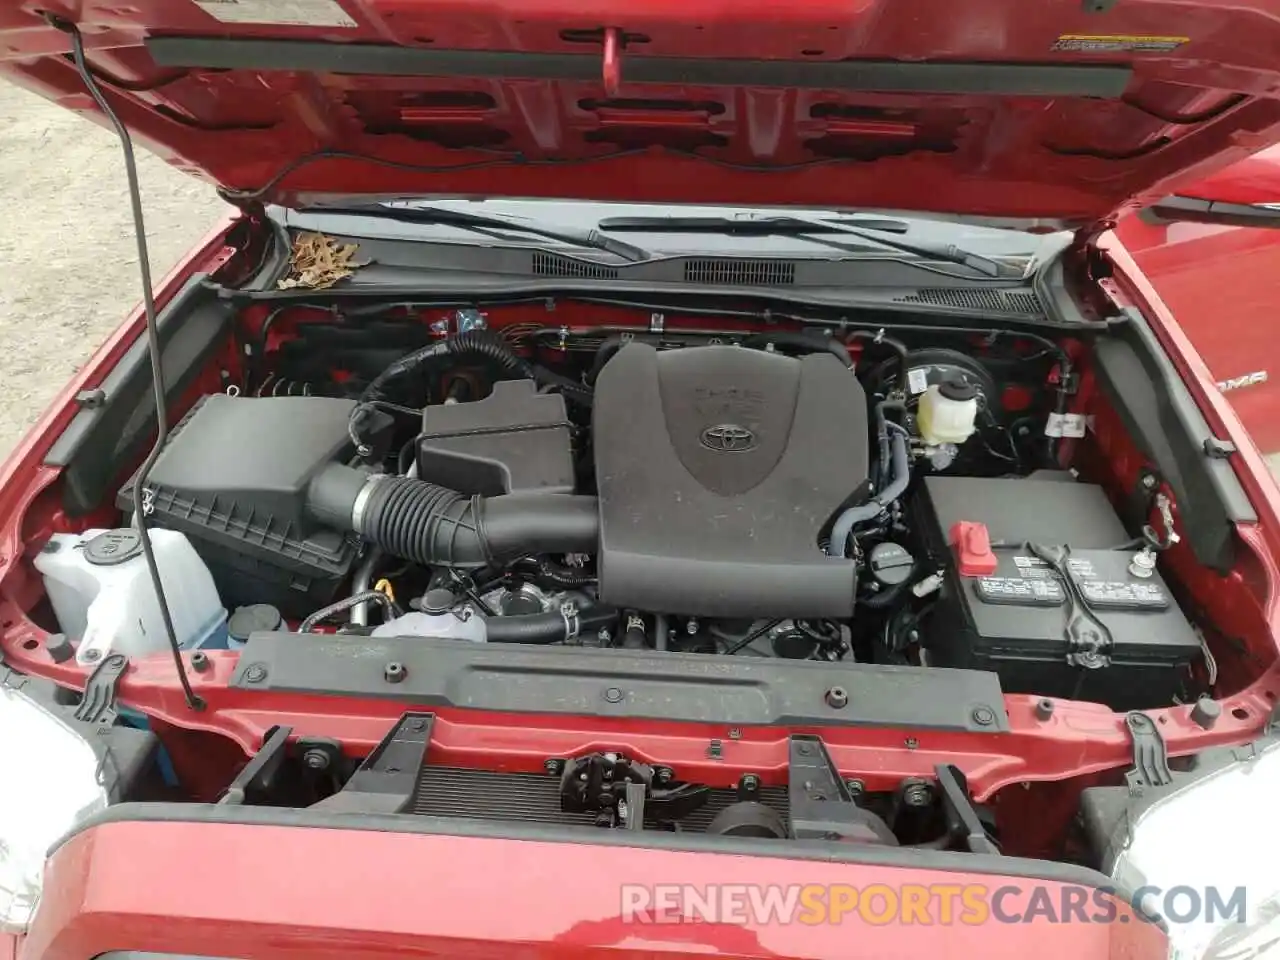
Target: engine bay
(716, 530)
(737, 494)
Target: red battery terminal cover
(973, 549)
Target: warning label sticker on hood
(1116, 43)
(290, 13)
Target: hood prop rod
(194, 702)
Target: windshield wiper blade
(593, 239)
(804, 228)
(781, 226)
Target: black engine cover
(718, 470)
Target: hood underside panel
(992, 107)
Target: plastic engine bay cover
(718, 469)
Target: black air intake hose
(434, 525)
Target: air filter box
(233, 477)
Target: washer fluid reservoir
(103, 598)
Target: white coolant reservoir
(445, 626)
(948, 412)
(104, 600)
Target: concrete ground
(71, 264)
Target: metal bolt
(735, 733)
(604, 636)
(92, 656)
(983, 716)
(417, 726)
(612, 695)
(911, 743)
(916, 793)
(255, 673)
(837, 698)
(1149, 481)
(1044, 708)
(316, 759)
(855, 787)
(394, 672)
(804, 749)
(199, 661)
(749, 783)
(664, 774)
(691, 626)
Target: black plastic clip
(99, 702)
(822, 808)
(1150, 760)
(91, 399)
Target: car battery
(1039, 589)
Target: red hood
(1063, 109)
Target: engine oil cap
(890, 564)
(113, 547)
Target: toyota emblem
(728, 438)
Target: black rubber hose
(803, 342)
(544, 573)
(550, 627)
(479, 344)
(897, 346)
(604, 353)
(887, 597)
(434, 525)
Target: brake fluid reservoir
(948, 412)
(103, 598)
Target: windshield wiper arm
(593, 239)
(804, 228)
